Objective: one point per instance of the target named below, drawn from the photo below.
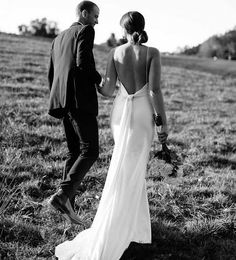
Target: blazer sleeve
(50, 69)
(84, 56)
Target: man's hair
(84, 5)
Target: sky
(170, 24)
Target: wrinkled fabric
(123, 212)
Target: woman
(123, 212)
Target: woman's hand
(162, 134)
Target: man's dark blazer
(72, 74)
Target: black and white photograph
(118, 130)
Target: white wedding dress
(123, 213)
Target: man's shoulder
(76, 31)
(79, 29)
(87, 29)
(73, 29)
(64, 33)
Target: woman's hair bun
(139, 37)
(134, 23)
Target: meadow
(192, 200)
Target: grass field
(192, 201)
(221, 67)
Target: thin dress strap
(147, 65)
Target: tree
(37, 27)
(220, 46)
(190, 50)
(23, 29)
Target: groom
(72, 79)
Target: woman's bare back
(131, 64)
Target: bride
(123, 213)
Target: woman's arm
(155, 88)
(109, 83)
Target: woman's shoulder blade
(119, 51)
(154, 51)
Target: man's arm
(50, 70)
(84, 56)
(109, 84)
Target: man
(72, 79)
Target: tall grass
(192, 212)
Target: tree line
(40, 27)
(45, 28)
(218, 46)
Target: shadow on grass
(25, 91)
(23, 233)
(35, 143)
(218, 162)
(173, 244)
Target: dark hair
(85, 5)
(134, 23)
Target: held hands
(100, 86)
(97, 87)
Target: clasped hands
(100, 86)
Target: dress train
(123, 212)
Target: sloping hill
(225, 68)
(192, 201)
